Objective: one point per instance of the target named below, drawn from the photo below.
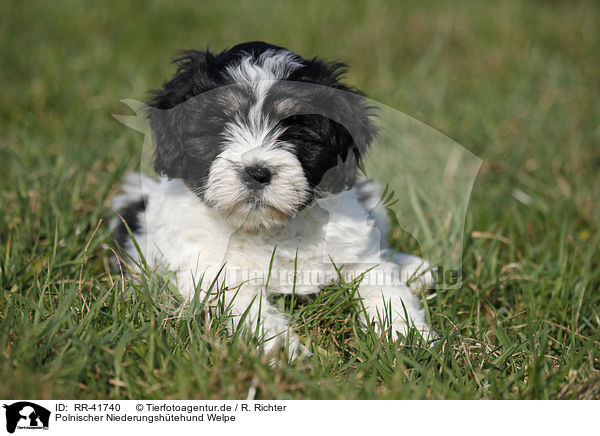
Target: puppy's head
(257, 132)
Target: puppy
(258, 153)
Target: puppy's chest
(310, 242)
(187, 234)
(300, 243)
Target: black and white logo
(26, 415)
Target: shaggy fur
(257, 152)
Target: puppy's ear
(167, 129)
(167, 111)
(350, 128)
(355, 115)
(349, 150)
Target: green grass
(516, 83)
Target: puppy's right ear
(167, 110)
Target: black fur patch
(131, 215)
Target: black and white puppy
(257, 150)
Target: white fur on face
(252, 140)
(243, 207)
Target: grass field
(516, 83)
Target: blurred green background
(515, 82)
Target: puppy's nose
(256, 176)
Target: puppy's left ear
(167, 112)
(350, 135)
(356, 115)
(350, 128)
(167, 128)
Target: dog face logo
(26, 415)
